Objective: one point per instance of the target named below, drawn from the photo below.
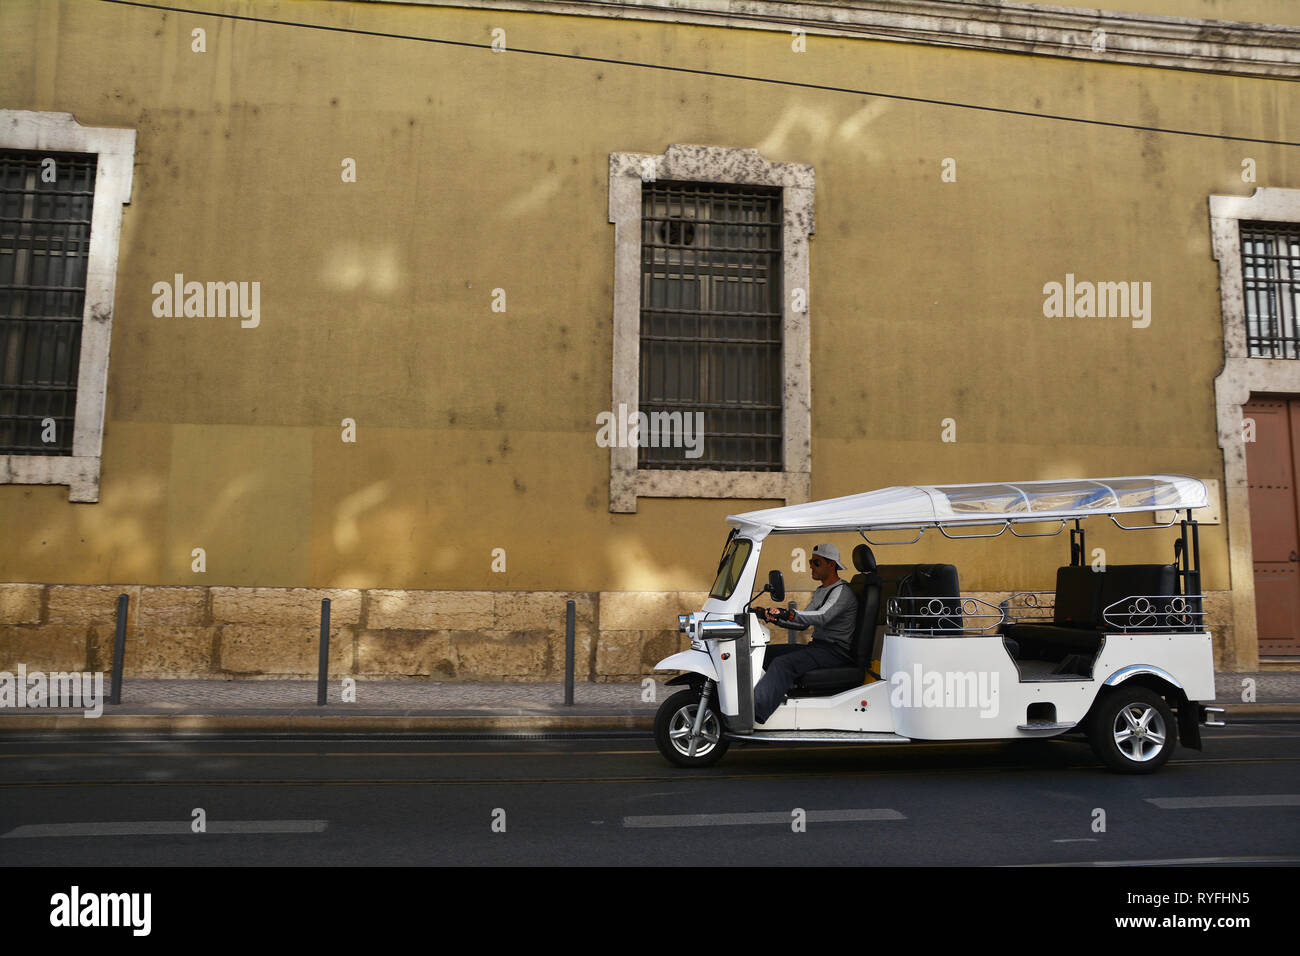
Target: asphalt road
(91, 801)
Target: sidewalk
(383, 706)
(394, 706)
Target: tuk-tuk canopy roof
(917, 506)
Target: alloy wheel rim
(679, 731)
(1139, 731)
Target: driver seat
(825, 681)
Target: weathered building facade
(360, 300)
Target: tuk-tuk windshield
(729, 569)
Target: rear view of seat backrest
(1078, 593)
(928, 582)
(890, 576)
(1122, 581)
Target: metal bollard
(119, 650)
(323, 672)
(568, 653)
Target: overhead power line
(695, 71)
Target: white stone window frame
(1243, 376)
(733, 166)
(115, 166)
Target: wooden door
(1272, 466)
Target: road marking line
(677, 779)
(1247, 800)
(163, 828)
(1186, 861)
(738, 819)
(1077, 840)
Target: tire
(675, 719)
(1132, 730)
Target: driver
(831, 614)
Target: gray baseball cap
(830, 553)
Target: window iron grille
(1270, 270)
(711, 320)
(44, 249)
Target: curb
(1260, 710)
(379, 723)
(332, 724)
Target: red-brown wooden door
(1272, 466)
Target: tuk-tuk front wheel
(673, 725)
(1132, 730)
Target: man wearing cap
(831, 614)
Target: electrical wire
(695, 71)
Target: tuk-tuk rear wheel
(1132, 730)
(673, 724)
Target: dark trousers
(786, 663)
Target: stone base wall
(252, 633)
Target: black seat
(1133, 590)
(931, 599)
(1075, 617)
(1082, 596)
(831, 680)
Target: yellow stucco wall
(476, 429)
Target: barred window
(1270, 268)
(711, 322)
(46, 201)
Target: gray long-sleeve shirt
(831, 613)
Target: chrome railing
(1156, 612)
(1030, 607)
(942, 616)
(966, 615)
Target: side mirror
(776, 584)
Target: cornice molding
(1216, 46)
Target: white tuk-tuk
(1120, 652)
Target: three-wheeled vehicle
(1120, 652)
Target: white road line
(1077, 840)
(163, 828)
(1185, 861)
(780, 816)
(1247, 800)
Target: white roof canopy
(919, 506)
